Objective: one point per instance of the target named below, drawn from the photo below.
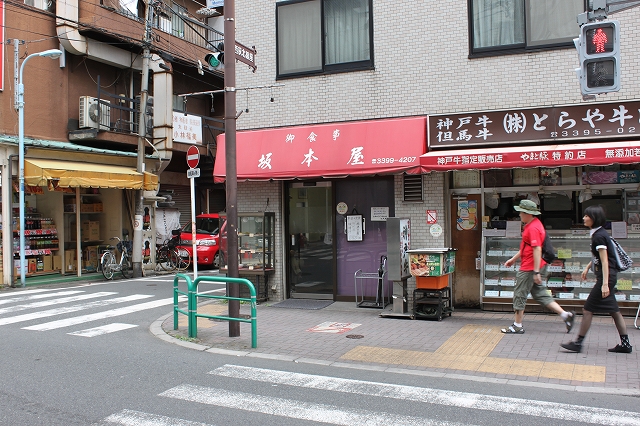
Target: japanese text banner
(595, 154)
(327, 150)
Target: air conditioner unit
(93, 114)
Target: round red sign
(193, 156)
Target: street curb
(157, 331)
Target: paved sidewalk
(467, 345)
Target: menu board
(354, 227)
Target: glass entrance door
(310, 254)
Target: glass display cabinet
(563, 277)
(256, 251)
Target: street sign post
(193, 159)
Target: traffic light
(599, 52)
(215, 59)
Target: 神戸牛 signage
(560, 124)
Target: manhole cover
(354, 336)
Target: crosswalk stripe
(294, 409)
(38, 296)
(138, 418)
(52, 302)
(34, 291)
(99, 315)
(527, 407)
(69, 309)
(104, 329)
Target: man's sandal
(513, 329)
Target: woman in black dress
(602, 296)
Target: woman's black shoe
(621, 349)
(573, 347)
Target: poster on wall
(354, 227)
(467, 213)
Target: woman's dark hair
(597, 214)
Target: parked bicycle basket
(127, 244)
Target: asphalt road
(84, 355)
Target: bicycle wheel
(107, 261)
(168, 259)
(183, 262)
(126, 267)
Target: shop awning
(327, 150)
(72, 174)
(594, 154)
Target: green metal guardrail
(192, 304)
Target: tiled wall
(422, 66)
(266, 197)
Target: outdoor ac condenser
(93, 114)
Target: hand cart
(382, 298)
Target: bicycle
(169, 257)
(109, 262)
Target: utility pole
(233, 289)
(142, 134)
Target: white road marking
(99, 315)
(104, 329)
(69, 309)
(568, 412)
(295, 409)
(23, 292)
(37, 296)
(138, 418)
(52, 302)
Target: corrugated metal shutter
(182, 198)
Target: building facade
(83, 116)
(366, 60)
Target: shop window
(412, 187)
(499, 25)
(318, 36)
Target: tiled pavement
(466, 345)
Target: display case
(256, 248)
(563, 276)
(41, 243)
(255, 241)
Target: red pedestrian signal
(599, 51)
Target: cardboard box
(57, 262)
(98, 207)
(86, 208)
(90, 257)
(70, 260)
(90, 230)
(47, 261)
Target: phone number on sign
(393, 160)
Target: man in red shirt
(528, 278)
